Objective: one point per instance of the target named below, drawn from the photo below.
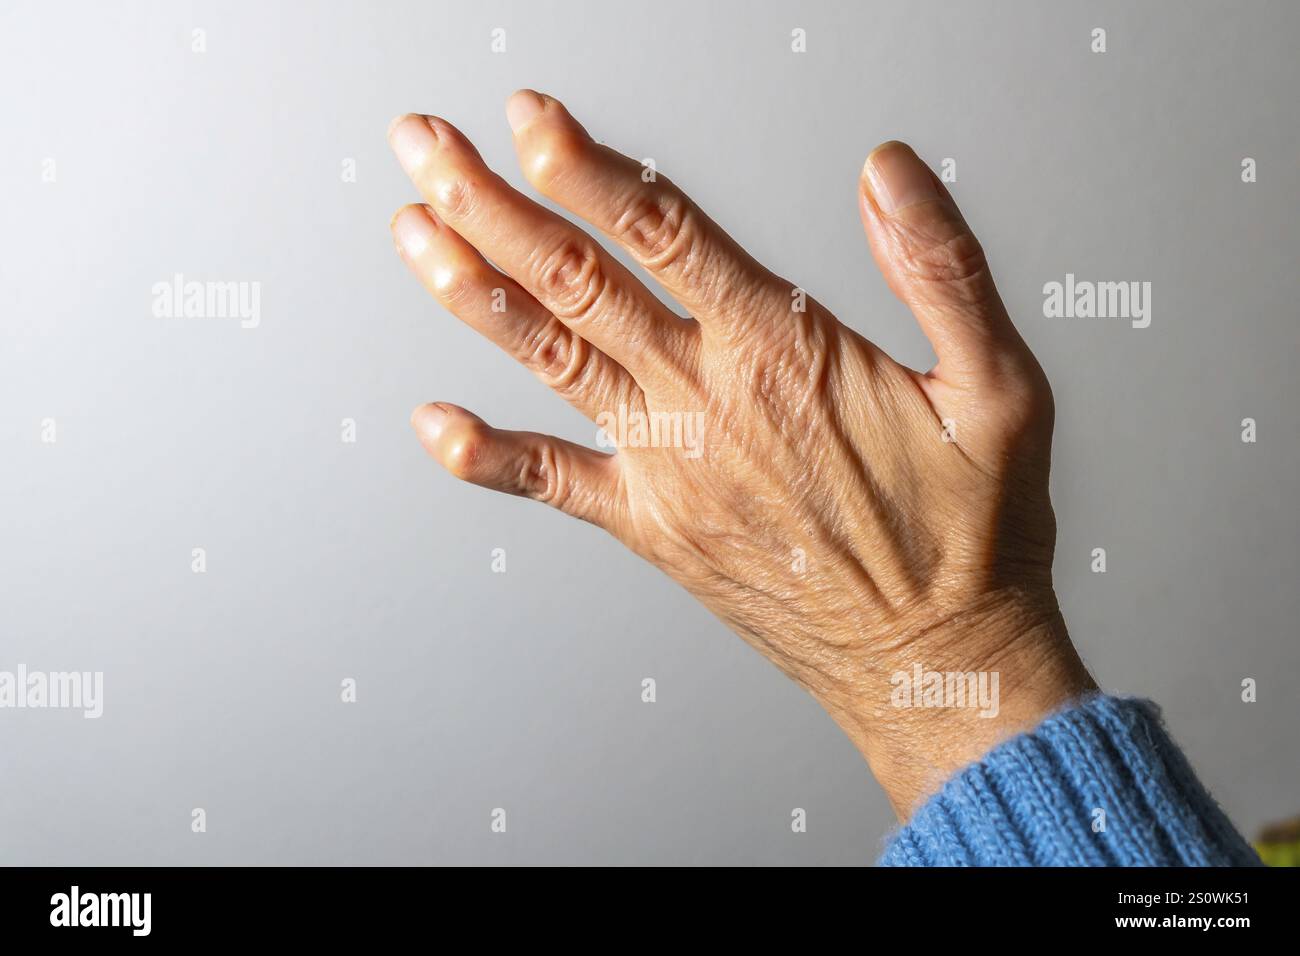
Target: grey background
(522, 690)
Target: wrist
(941, 696)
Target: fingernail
(413, 140)
(898, 179)
(428, 420)
(521, 108)
(412, 230)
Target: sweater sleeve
(1098, 784)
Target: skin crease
(917, 502)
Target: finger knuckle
(954, 259)
(571, 278)
(540, 475)
(457, 288)
(467, 453)
(550, 155)
(659, 229)
(563, 361)
(1026, 395)
(457, 197)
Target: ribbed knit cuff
(1098, 784)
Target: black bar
(211, 905)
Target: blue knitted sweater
(1098, 784)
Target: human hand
(847, 516)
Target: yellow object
(1279, 844)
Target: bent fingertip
(396, 121)
(889, 144)
(413, 227)
(523, 107)
(428, 420)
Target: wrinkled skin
(847, 516)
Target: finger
(935, 264)
(558, 264)
(495, 306)
(576, 480)
(661, 228)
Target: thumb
(935, 264)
